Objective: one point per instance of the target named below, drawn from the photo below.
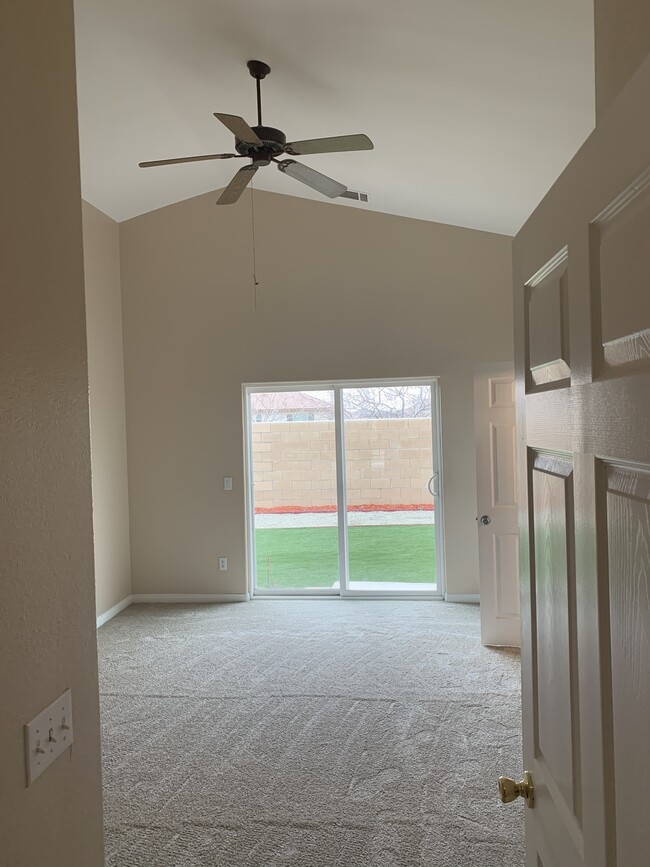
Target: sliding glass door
(344, 489)
(389, 476)
(295, 516)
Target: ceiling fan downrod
(258, 70)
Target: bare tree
(395, 401)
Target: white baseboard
(110, 614)
(468, 598)
(190, 597)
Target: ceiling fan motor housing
(258, 69)
(273, 142)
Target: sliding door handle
(432, 485)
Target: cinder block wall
(388, 462)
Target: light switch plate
(227, 483)
(48, 735)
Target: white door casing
(496, 496)
(582, 356)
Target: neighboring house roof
(288, 401)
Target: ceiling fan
(264, 145)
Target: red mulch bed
(366, 507)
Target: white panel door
(582, 345)
(496, 495)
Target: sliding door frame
(337, 386)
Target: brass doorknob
(510, 790)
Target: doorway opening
(344, 488)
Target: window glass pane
(388, 463)
(294, 475)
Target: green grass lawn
(309, 557)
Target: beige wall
(388, 462)
(622, 29)
(343, 293)
(107, 422)
(47, 606)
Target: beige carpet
(308, 733)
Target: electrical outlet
(227, 483)
(223, 564)
(48, 735)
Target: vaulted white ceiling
(474, 106)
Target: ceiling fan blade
(187, 160)
(331, 145)
(312, 178)
(237, 186)
(239, 128)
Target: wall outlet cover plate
(48, 735)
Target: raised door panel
(502, 392)
(628, 578)
(548, 325)
(556, 723)
(503, 482)
(621, 265)
(502, 453)
(506, 575)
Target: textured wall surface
(107, 422)
(622, 29)
(47, 604)
(344, 294)
(388, 462)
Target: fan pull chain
(255, 280)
